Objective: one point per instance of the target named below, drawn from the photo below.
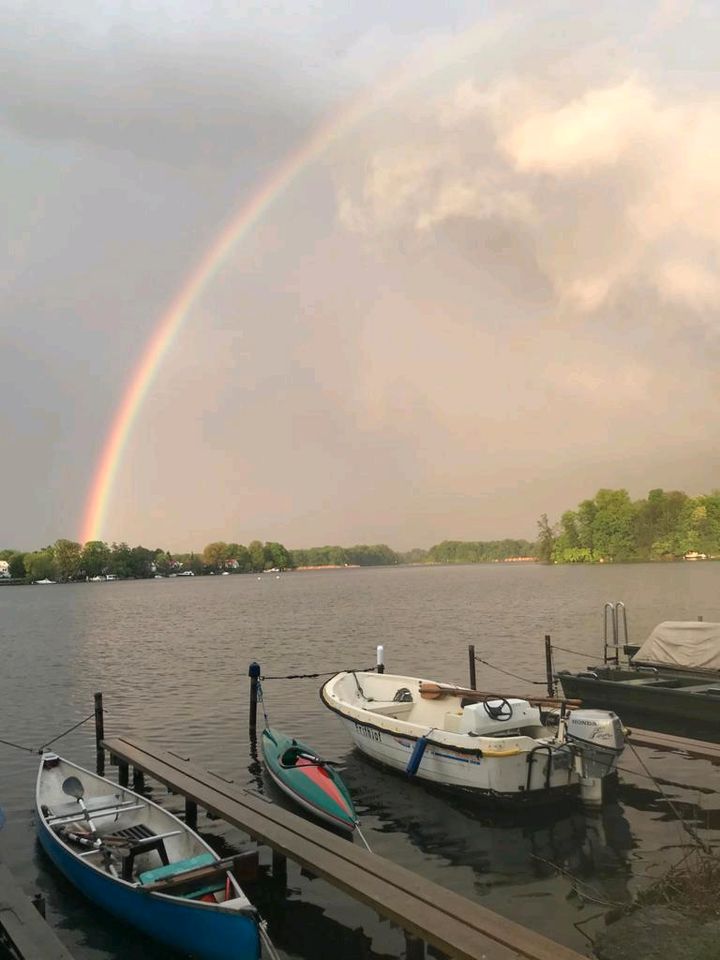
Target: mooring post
(279, 868)
(700, 619)
(414, 947)
(99, 735)
(471, 666)
(191, 813)
(549, 666)
(38, 901)
(138, 780)
(380, 655)
(123, 773)
(254, 674)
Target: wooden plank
(30, 934)
(666, 741)
(448, 921)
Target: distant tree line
(611, 527)
(68, 560)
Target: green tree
(40, 564)
(16, 566)
(613, 526)
(67, 559)
(545, 540)
(95, 558)
(216, 554)
(277, 556)
(257, 556)
(163, 562)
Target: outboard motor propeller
(598, 740)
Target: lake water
(171, 658)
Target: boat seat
(140, 839)
(390, 708)
(204, 867)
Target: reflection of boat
(502, 748)
(142, 864)
(673, 677)
(307, 779)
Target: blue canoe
(142, 864)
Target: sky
(491, 291)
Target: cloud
(616, 187)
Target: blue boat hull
(200, 929)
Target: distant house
(4, 569)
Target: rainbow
(421, 64)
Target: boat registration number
(368, 732)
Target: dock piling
(380, 654)
(471, 666)
(279, 868)
(254, 674)
(138, 780)
(38, 901)
(191, 813)
(123, 773)
(99, 735)
(549, 666)
(414, 948)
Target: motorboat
(142, 864)
(671, 681)
(501, 748)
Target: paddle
(433, 691)
(73, 788)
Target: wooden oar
(432, 691)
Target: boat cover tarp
(684, 644)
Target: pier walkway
(23, 932)
(426, 911)
(703, 749)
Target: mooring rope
(515, 676)
(19, 746)
(577, 653)
(685, 826)
(314, 676)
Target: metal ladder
(615, 631)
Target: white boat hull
(463, 746)
(453, 768)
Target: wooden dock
(424, 910)
(22, 930)
(703, 749)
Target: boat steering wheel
(498, 708)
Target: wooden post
(38, 901)
(700, 619)
(99, 735)
(254, 674)
(191, 813)
(138, 780)
(471, 666)
(279, 868)
(380, 654)
(549, 666)
(414, 947)
(123, 773)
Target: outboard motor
(598, 739)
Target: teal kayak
(308, 779)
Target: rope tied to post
(508, 673)
(315, 676)
(48, 743)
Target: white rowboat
(503, 749)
